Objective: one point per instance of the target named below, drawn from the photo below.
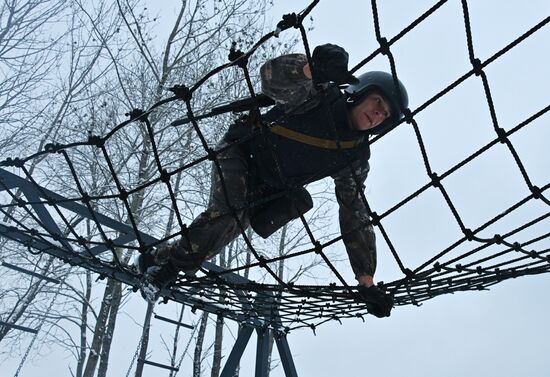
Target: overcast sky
(502, 332)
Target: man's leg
(216, 226)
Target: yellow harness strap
(312, 140)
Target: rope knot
(98, 141)
(262, 261)
(52, 147)
(164, 176)
(536, 191)
(123, 194)
(85, 198)
(137, 114)
(375, 219)
(469, 234)
(436, 181)
(210, 154)
(15, 162)
(110, 243)
(318, 247)
(407, 114)
(288, 21)
(478, 67)
(182, 92)
(384, 46)
(237, 56)
(502, 137)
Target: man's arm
(287, 80)
(357, 231)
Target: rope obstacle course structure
(280, 307)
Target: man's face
(370, 112)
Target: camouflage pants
(221, 222)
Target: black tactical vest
(280, 160)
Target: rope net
(474, 261)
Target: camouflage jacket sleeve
(283, 80)
(355, 225)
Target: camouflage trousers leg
(225, 217)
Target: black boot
(157, 272)
(161, 266)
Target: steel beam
(17, 327)
(237, 352)
(286, 356)
(32, 273)
(262, 353)
(158, 365)
(159, 317)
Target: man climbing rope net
(306, 137)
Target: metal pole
(262, 353)
(286, 356)
(236, 353)
(17, 327)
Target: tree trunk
(144, 338)
(84, 324)
(108, 337)
(175, 345)
(216, 364)
(99, 330)
(197, 359)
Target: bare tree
(115, 65)
(27, 53)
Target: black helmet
(382, 81)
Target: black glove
(330, 63)
(378, 302)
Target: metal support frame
(236, 353)
(158, 365)
(179, 324)
(31, 273)
(262, 352)
(17, 327)
(37, 197)
(286, 356)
